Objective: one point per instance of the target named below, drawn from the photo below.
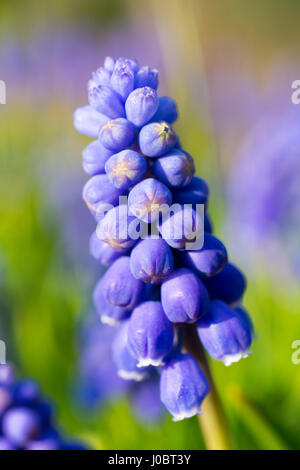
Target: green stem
(213, 421)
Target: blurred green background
(47, 52)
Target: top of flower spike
(121, 88)
(111, 85)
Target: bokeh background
(230, 66)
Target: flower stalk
(213, 420)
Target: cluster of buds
(165, 267)
(26, 417)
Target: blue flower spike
(169, 283)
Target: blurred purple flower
(60, 183)
(98, 377)
(264, 191)
(145, 400)
(98, 380)
(26, 417)
(44, 66)
(242, 93)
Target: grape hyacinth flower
(100, 77)
(141, 105)
(146, 77)
(228, 285)
(26, 418)
(117, 134)
(174, 288)
(166, 111)
(150, 334)
(100, 194)
(125, 168)
(126, 363)
(184, 296)
(115, 228)
(21, 425)
(156, 139)
(209, 260)
(147, 198)
(175, 169)
(109, 314)
(122, 77)
(183, 386)
(196, 192)
(94, 157)
(151, 260)
(104, 100)
(182, 227)
(103, 252)
(120, 287)
(88, 121)
(225, 333)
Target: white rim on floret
(106, 320)
(137, 376)
(147, 361)
(196, 410)
(229, 359)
